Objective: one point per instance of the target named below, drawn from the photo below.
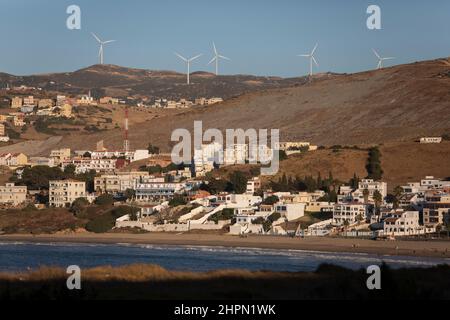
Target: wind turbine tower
(381, 60)
(126, 142)
(102, 43)
(311, 59)
(216, 58)
(188, 62)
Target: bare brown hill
(400, 103)
(128, 82)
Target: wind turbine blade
(109, 41)
(96, 38)
(303, 55)
(196, 57)
(389, 58)
(379, 64)
(212, 60)
(376, 53)
(181, 57)
(314, 59)
(223, 57)
(215, 50)
(314, 50)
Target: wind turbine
(188, 62)
(216, 58)
(100, 52)
(380, 59)
(311, 59)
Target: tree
(282, 155)
(177, 200)
(79, 205)
(271, 200)
(153, 149)
(87, 154)
(377, 198)
(238, 182)
(69, 170)
(366, 194)
(104, 199)
(130, 194)
(373, 165)
(354, 182)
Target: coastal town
(160, 196)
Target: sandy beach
(422, 248)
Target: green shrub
(104, 199)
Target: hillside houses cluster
(179, 104)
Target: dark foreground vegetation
(154, 282)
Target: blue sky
(261, 37)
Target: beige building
(12, 194)
(66, 110)
(119, 182)
(29, 101)
(45, 103)
(60, 155)
(18, 121)
(436, 208)
(13, 159)
(62, 193)
(2, 129)
(16, 103)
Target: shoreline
(412, 248)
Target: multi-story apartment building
(350, 212)
(149, 191)
(16, 103)
(346, 194)
(120, 181)
(59, 155)
(2, 129)
(83, 165)
(403, 224)
(45, 103)
(253, 185)
(436, 207)
(62, 193)
(12, 194)
(13, 159)
(28, 101)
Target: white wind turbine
(100, 52)
(216, 58)
(311, 59)
(380, 59)
(188, 62)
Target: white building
(405, 224)
(346, 194)
(253, 185)
(238, 200)
(350, 212)
(150, 191)
(291, 211)
(83, 165)
(431, 140)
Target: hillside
(401, 162)
(400, 103)
(124, 82)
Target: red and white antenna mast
(126, 142)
